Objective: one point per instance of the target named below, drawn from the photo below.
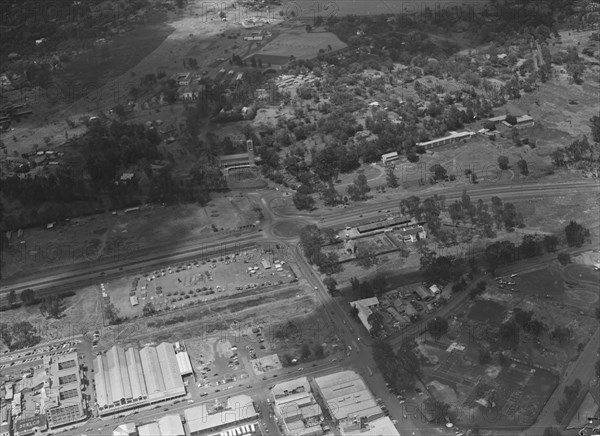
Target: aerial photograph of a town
(300, 218)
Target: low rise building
(364, 310)
(452, 138)
(238, 413)
(389, 157)
(347, 398)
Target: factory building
(131, 378)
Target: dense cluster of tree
(579, 150)
(442, 269)
(376, 287)
(570, 394)
(311, 240)
(504, 252)
(18, 335)
(401, 369)
(576, 234)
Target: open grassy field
(300, 44)
(114, 236)
(306, 9)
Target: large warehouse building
(131, 378)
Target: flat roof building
(449, 139)
(347, 397)
(364, 310)
(184, 363)
(389, 157)
(290, 387)
(62, 398)
(379, 427)
(169, 425)
(239, 410)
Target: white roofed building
(238, 411)
(347, 398)
(126, 379)
(364, 310)
(184, 363)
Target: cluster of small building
(236, 417)
(299, 407)
(401, 312)
(48, 396)
(288, 82)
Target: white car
(394, 421)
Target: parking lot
(199, 281)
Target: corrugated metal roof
(101, 394)
(136, 376)
(169, 367)
(114, 372)
(124, 373)
(152, 370)
(183, 361)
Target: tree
(595, 120)
(354, 312)
(375, 320)
(51, 307)
(331, 284)
(119, 110)
(28, 297)
(522, 164)
(509, 335)
(437, 327)
(564, 258)
(148, 309)
(326, 164)
(511, 119)
(305, 352)
(303, 201)
(318, 351)
(330, 196)
(366, 256)
(550, 243)
(503, 162)
(392, 180)
(485, 357)
(437, 409)
(359, 189)
(438, 172)
(379, 284)
(478, 289)
(12, 297)
(576, 234)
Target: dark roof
(382, 224)
(233, 157)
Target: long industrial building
(131, 378)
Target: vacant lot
(116, 236)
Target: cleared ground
(114, 236)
